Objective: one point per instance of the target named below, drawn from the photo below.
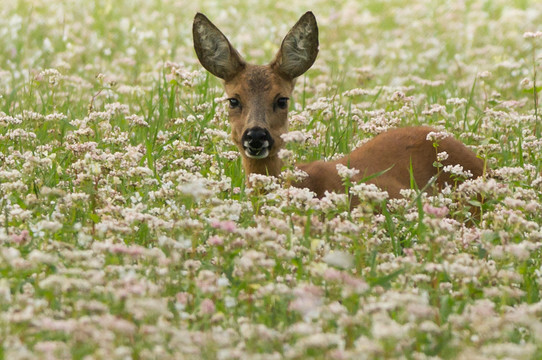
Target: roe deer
(258, 112)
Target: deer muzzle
(257, 142)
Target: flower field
(127, 230)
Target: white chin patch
(261, 154)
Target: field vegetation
(127, 231)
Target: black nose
(257, 138)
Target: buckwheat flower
(215, 241)
(316, 342)
(332, 201)
(399, 96)
(5, 292)
(20, 238)
(230, 301)
(249, 261)
(519, 251)
(131, 250)
(137, 120)
(369, 193)
(301, 119)
(484, 74)
(424, 82)
(355, 92)
(6, 120)
(285, 154)
(142, 308)
(297, 175)
(259, 181)
(56, 117)
(339, 259)
(435, 109)
(196, 189)
(46, 225)
(206, 281)
(457, 170)
(441, 156)
(207, 307)
(526, 84)
(192, 265)
(321, 103)
(228, 225)
(509, 350)
(52, 349)
(308, 301)
(386, 328)
(457, 101)
(223, 282)
(182, 300)
(434, 136)
(346, 173)
(438, 212)
(532, 35)
(51, 75)
(294, 136)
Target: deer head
(258, 95)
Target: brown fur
(395, 150)
(257, 89)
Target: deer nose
(257, 142)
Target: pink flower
(215, 240)
(207, 307)
(439, 212)
(21, 238)
(183, 298)
(228, 225)
(331, 274)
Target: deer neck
(269, 166)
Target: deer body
(259, 96)
(393, 153)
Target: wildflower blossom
(532, 35)
(339, 259)
(207, 307)
(369, 193)
(457, 170)
(294, 136)
(439, 212)
(436, 136)
(441, 156)
(345, 172)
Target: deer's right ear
(214, 50)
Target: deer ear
(214, 50)
(299, 48)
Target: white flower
(369, 192)
(441, 156)
(457, 170)
(339, 259)
(196, 189)
(532, 35)
(435, 136)
(345, 172)
(5, 292)
(294, 136)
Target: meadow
(127, 230)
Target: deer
(259, 97)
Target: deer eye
(282, 102)
(234, 103)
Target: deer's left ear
(299, 48)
